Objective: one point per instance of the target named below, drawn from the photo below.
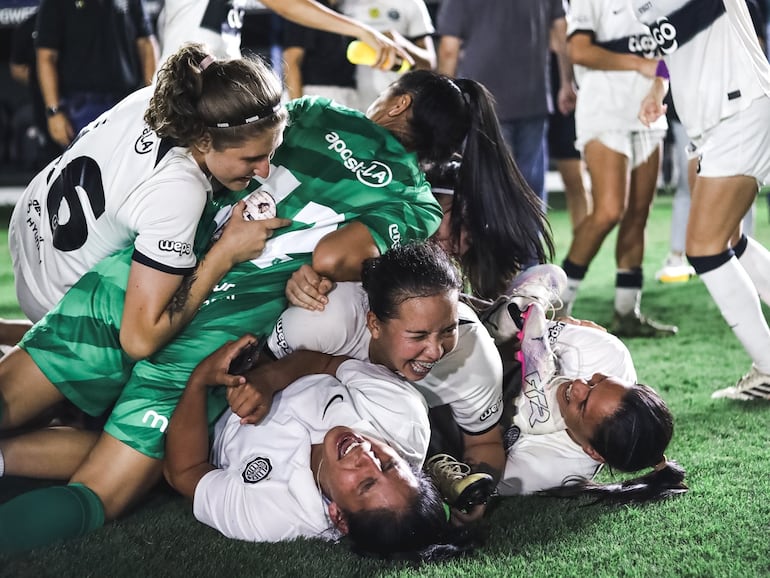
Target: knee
(605, 219)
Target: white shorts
(738, 145)
(637, 146)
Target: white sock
(734, 293)
(627, 300)
(568, 296)
(756, 261)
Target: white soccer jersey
(410, 18)
(544, 454)
(215, 23)
(712, 52)
(117, 184)
(607, 99)
(468, 378)
(264, 489)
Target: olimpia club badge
(256, 470)
(259, 205)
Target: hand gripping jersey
(711, 50)
(607, 99)
(468, 378)
(542, 454)
(116, 185)
(335, 166)
(264, 490)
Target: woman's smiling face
(423, 331)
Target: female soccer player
(141, 176)
(721, 90)
(336, 456)
(614, 65)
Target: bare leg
(51, 453)
(118, 474)
(631, 233)
(12, 330)
(24, 391)
(609, 178)
(578, 199)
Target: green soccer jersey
(335, 166)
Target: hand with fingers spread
(308, 289)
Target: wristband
(661, 71)
(52, 111)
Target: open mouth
(421, 367)
(347, 442)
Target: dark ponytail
(634, 437)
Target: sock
(2, 464)
(575, 274)
(628, 291)
(734, 293)
(47, 515)
(756, 260)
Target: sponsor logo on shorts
(256, 470)
(492, 409)
(156, 420)
(374, 174)
(175, 247)
(280, 336)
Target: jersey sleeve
(266, 512)
(140, 19)
(335, 330)
(165, 211)
(542, 461)
(581, 17)
(475, 371)
(582, 351)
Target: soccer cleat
(637, 325)
(540, 284)
(461, 488)
(753, 385)
(538, 363)
(675, 270)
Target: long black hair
(421, 533)
(634, 437)
(504, 217)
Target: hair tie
(206, 62)
(447, 510)
(443, 190)
(661, 464)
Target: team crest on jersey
(259, 205)
(256, 470)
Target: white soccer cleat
(541, 284)
(752, 386)
(675, 269)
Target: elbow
(137, 347)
